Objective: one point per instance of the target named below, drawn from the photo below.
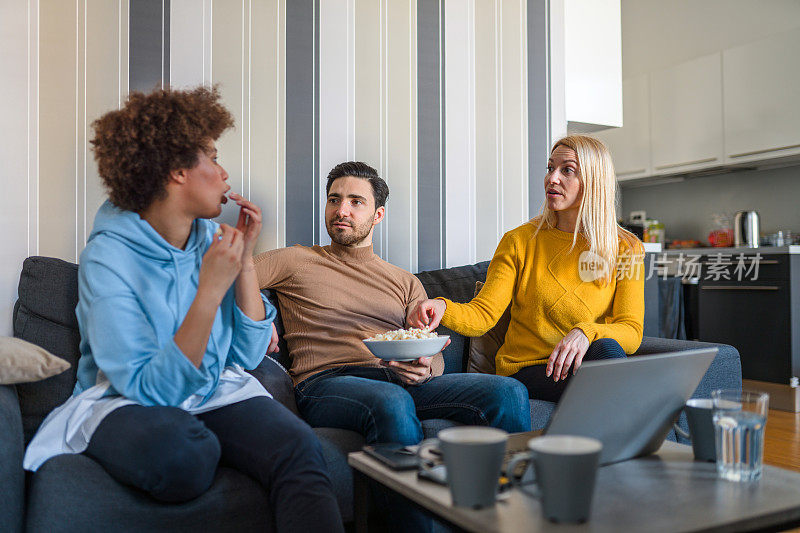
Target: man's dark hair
(357, 169)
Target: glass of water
(739, 421)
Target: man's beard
(358, 233)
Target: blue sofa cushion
(274, 377)
(74, 493)
(12, 477)
(45, 315)
(283, 350)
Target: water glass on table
(739, 421)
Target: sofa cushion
(541, 411)
(283, 350)
(23, 362)
(45, 316)
(12, 477)
(274, 377)
(483, 349)
(336, 444)
(456, 284)
(74, 493)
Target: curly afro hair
(137, 147)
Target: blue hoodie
(134, 292)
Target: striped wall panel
(432, 93)
(18, 146)
(83, 72)
(455, 102)
(431, 167)
(301, 107)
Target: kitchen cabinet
(759, 316)
(761, 99)
(753, 318)
(686, 116)
(630, 144)
(592, 64)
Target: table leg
(360, 501)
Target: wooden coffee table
(667, 491)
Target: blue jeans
(374, 402)
(173, 456)
(542, 387)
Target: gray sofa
(73, 493)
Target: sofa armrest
(12, 448)
(725, 371)
(274, 377)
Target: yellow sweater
(541, 280)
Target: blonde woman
(573, 277)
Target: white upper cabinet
(762, 99)
(686, 116)
(630, 144)
(592, 64)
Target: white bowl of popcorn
(405, 344)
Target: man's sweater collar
(351, 255)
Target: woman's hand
(273, 343)
(249, 223)
(222, 263)
(570, 350)
(427, 314)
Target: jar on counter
(654, 231)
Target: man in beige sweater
(333, 296)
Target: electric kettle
(746, 229)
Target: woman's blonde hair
(597, 217)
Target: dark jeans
(173, 456)
(374, 402)
(542, 387)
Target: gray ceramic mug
(700, 418)
(473, 457)
(565, 469)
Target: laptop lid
(629, 404)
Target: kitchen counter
(763, 250)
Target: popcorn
(404, 334)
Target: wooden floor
(782, 440)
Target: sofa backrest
(45, 315)
(456, 284)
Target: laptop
(627, 404)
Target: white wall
(239, 44)
(501, 121)
(486, 125)
(64, 64)
(460, 156)
(17, 147)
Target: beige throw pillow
(483, 349)
(22, 362)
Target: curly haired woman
(572, 276)
(169, 313)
